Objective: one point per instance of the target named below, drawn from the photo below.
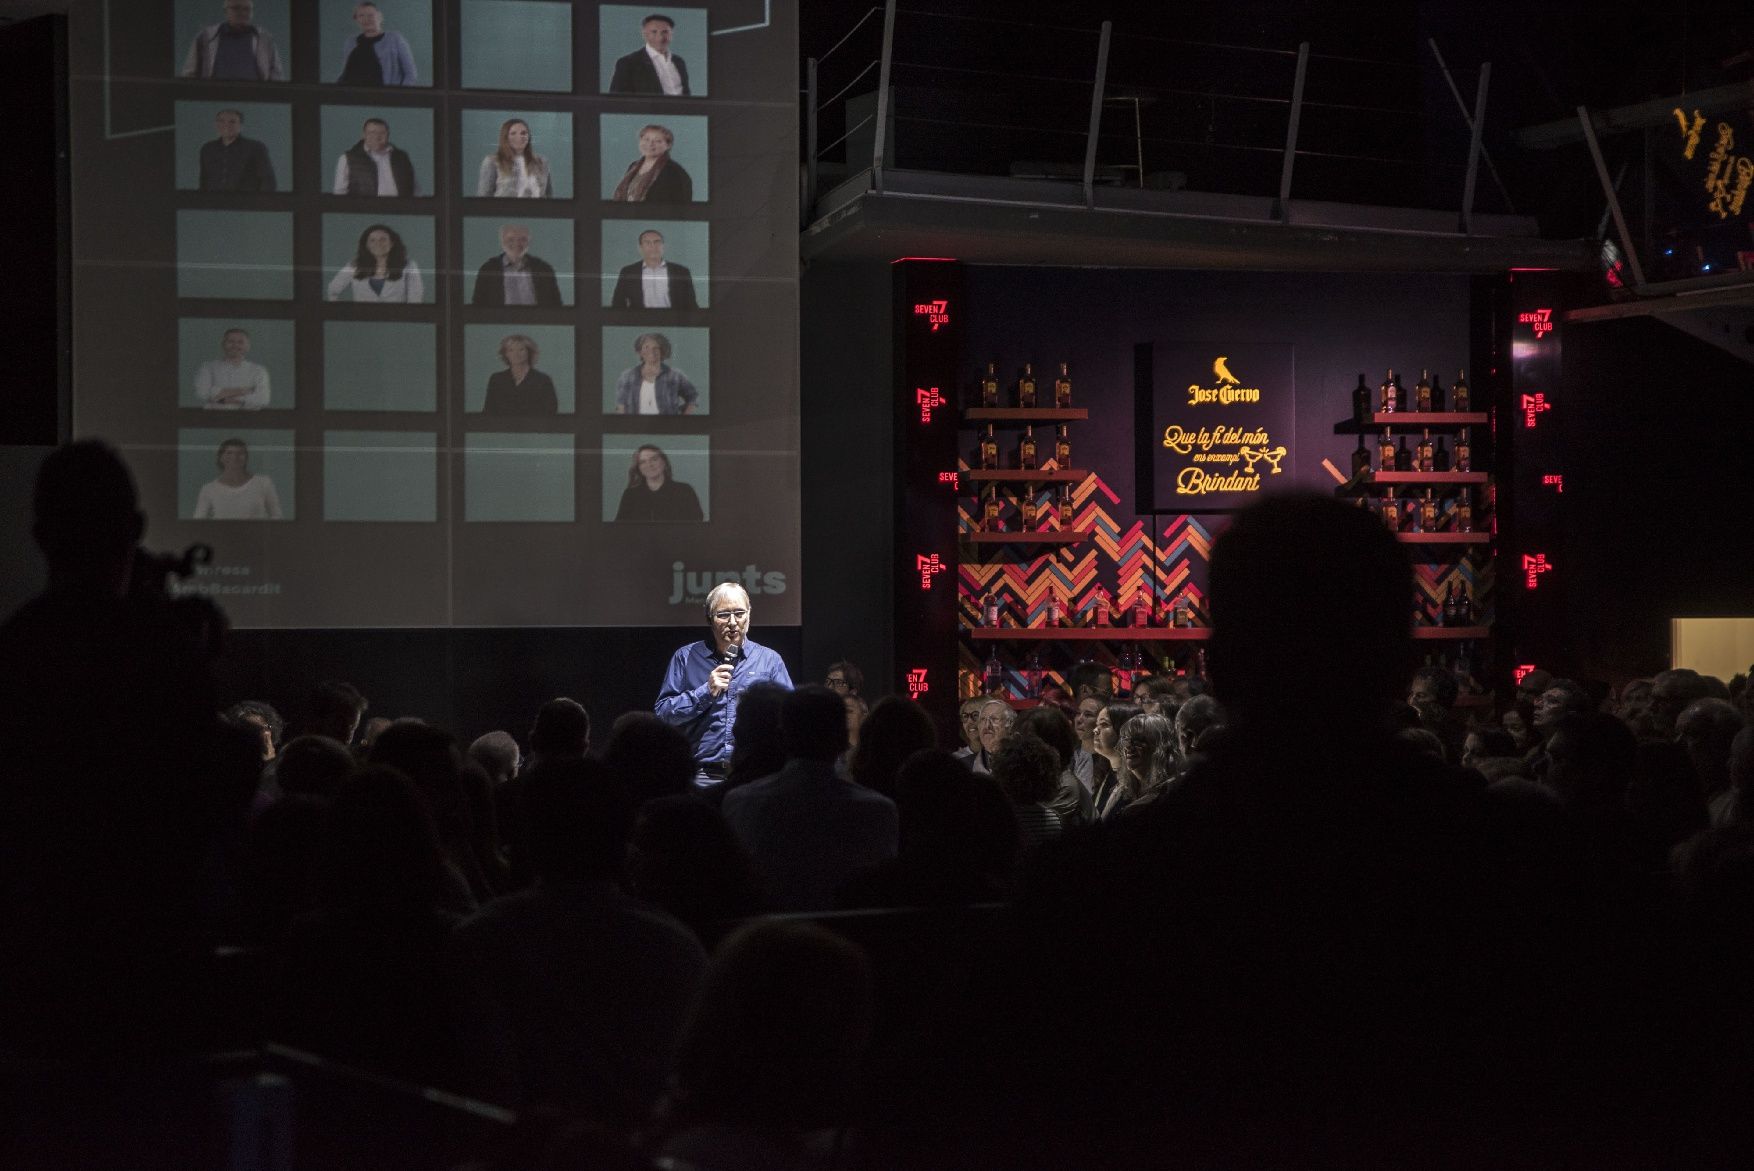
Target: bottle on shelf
(1464, 461)
(1425, 456)
(990, 386)
(992, 611)
(993, 674)
(1068, 518)
(1360, 458)
(1183, 614)
(989, 450)
(1385, 451)
(1141, 608)
(1391, 512)
(1126, 666)
(990, 508)
(1422, 392)
(1427, 514)
(1032, 673)
(1390, 394)
(1056, 610)
(1063, 389)
(1029, 514)
(1062, 448)
(1464, 607)
(1436, 396)
(1200, 662)
(1464, 511)
(1361, 403)
(1440, 457)
(1026, 449)
(1452, 611)
(1104, 611)
(1458, 394)
(1026, 386)
(1403, 456)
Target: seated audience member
(1483, 742)
(232, 162)
(996, 720)
(1705, 729)
(857, 709)
(562, 731)
(1027, 771)
(1518, 722)
(757, 749)
(313, 766)
(484, 833)
(573, 992)
(807, 828)
(428, 756)
(1433, 695)
(336, 709)
(1424, 740)
(498, 755)
(374, 165)
(361, 981)
(1107, 766)
(969, 718)
(1742, 775)
(768, 1069)
(684, 859)
(1091, 680)
(1670, 693)
(894, 731)
(1665, 799)
(959, 840)
(1155, 695)
(652, 758)
(1199, 715)
(1052, 727)
(516, 276)
(277, 872)
(369, 734)
(1148, 763)
(845, 678)
(1632, 706)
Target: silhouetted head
(336, 709)
(1026, 769)
(314, 766)
(1590, 760)
(86, 516)
(1305, 579)
(1050, 726)
(562, 728)
(813, 724)
(894, 731)
(649, 756)
(577, 818)
(497, 753)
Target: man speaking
(707, 678)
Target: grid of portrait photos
(568, 282)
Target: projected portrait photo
(234, 255)
(380, 270)
(233, 40)
(519, 370)
(668, 374)
(517, 476)
(380, 366)
(655, 479)
(239, 148)
(233, 365)
(387, 44)
(668, 268)
(380, 476)
(515, 271)
(517, 44)
(515, 165)
(669, 159)
(377, 152)
(668, 51)
(234, 475)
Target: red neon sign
(916, 682)
(1557, 483)
(937, 312)
(948, 478)
(929, 400)
(1532, 405)
(928, 567)
(1540, 319)
(1533, 567)
(1521, 671)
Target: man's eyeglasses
(730, 615)
(835, 681)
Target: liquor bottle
(1390, 394)
(1105, 614)
(1027, 508)
(991, 612)
(1126, 666)
(1385, 452)
(1361, 400)
(1422, 392)
(1026, 387)
(989, 450)
(1062, 449)
(1427, 514)
(1183, 614)
(1200, 662)
(1360, 459)
(1425, 453)
(990, 522)
(1440, 457)
(1068, 518)
(990, 386)
(1464, 461)
(1141, 609)
(1063, 389)
(1056, 611)
(1403, 456)
(1464, 607)
(993, 674)
(1391, 512)
(1026, 450)
(1436, 396)
(1458, 394)
(1449, 605)
(1465, 511)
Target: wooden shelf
(1428, 633)
(1090, 633)
(1443, 538)
(1038, 537)
(1025, 414)
(1430, 419)
(1016, 475)
(1392, 479)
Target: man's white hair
(720, 590)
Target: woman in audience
(1148, 761)
(515, 170)
(1071, 801)
(380, 271)
(1028, 772)
(1105, 738)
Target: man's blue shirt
(686, 702)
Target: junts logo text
(693, 585)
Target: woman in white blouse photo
(380, 272)
(237, 493)
(515, 170)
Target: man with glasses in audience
(705, 680)
(844, 679)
